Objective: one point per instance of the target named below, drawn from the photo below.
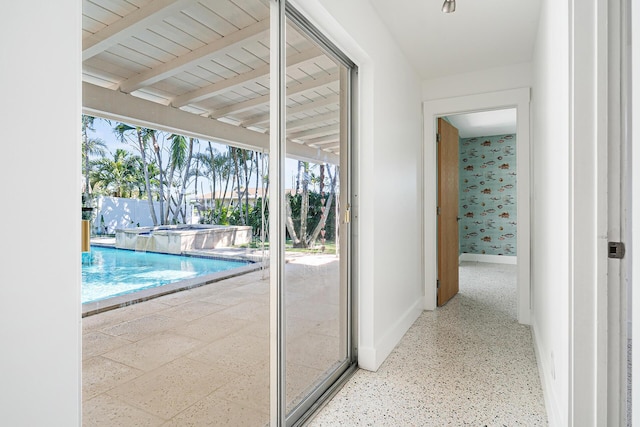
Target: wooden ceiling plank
(119, 7)
(91, 26)
(296, 124)
(321, 143)
(100, 13)
(211, 19)
(217, 88)
(259, 10)
(263, 118)
(161, 41)
(320, 131)
(251, 103)
(230, 12)
(217, 47)
(121, 29)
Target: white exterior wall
(550, 243)
(390, 289)
(119, 212)
(40, 264)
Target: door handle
(458, 218)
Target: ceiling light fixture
(449, 6)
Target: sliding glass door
(313, 317)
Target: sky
(104, 131)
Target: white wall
(40, 270)
(550, 243)
(483, 81)
(389, 232)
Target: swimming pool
(109, 272)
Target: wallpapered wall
(488, 195)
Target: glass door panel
(316, 284)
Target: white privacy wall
(40, 264)
(550, 242)
(388, 204)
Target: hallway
(467, 363)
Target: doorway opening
(464, 108)
(477, 193)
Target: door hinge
(438, 210)
(437, 137)
(616, 250)
(437, 284)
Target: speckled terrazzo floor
(468, 363)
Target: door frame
(514, 98)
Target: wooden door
(448, 245)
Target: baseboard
(496, 259)
(551, 403)
(371, 358)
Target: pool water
(108, 272)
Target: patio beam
(217, 47)
(114, 105)
(146, 16)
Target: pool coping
(120, 301)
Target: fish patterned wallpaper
(488, 195)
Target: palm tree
(90, 146)
(116, 176)
(140, 140)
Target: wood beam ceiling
(148, 15)
(217, 47)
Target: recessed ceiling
(478, 35)
(485, 123)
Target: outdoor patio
(203, 354)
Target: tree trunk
(85, 138)
(325, 213)
(213, 182)
(156, 149)
(247, 178)
(289, 223)
(147, 182)
(304, 207)
(183, 188)
(237, 169)
(257, 166)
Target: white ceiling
(480, 34)
(485, 123)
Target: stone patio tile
(215, 411)
(95, 343)
(192, 310)
(143, 327)
(100, 374)
(107, 411)
(171, 388)
(153, 352)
